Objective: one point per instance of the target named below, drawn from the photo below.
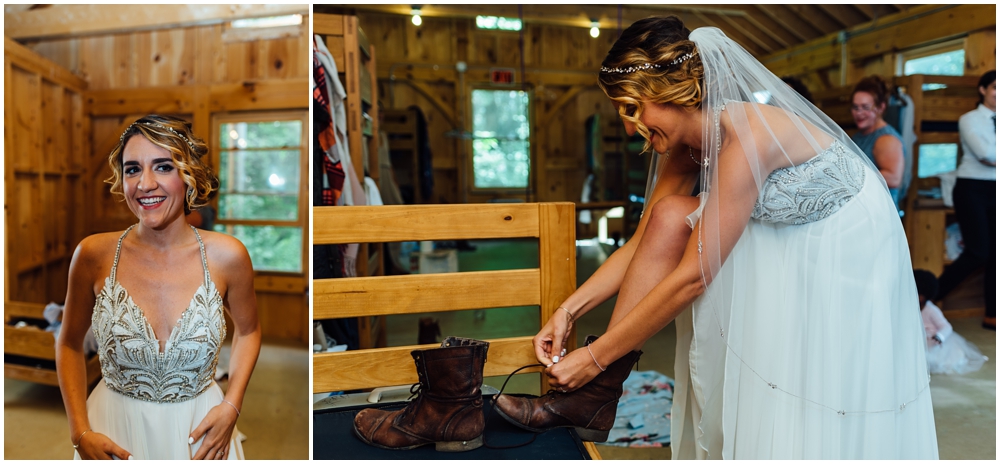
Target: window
(936, 158)
(500, 144)
(946, 59)
(262, 192)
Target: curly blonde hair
(676, 79)
(187, 151)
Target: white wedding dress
(808, 343)
(149, 401)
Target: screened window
(942, 60)
(261, 162)
(500, 144)
(936, 158)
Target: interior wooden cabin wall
(45, 144)
(561, 66)
(192, 72)
(417, 67)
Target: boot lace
(534, 435)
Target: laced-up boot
(447, 409)
(590, 409)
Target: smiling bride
(154, 296)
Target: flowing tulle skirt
(154, 430)
(808, 345)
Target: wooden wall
(191, 72)
(561, 67)
(417, 67)
(45, 144)
(828, 62)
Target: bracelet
(79, 439)
(571, 317)
(234, 407)
(595, 359)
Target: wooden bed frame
(547, 286)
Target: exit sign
(503, 76)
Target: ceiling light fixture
(417, 21)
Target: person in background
(975, 198)
(947, 351)
(876, 138)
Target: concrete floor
(275, 414)
(964, 406)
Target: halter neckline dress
(149, 401)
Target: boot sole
(585, 434)
(444, 446)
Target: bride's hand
(217, 429)
(551, 340)
(572, 371)
(95, 445)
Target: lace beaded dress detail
(131, 361)
(813, 190)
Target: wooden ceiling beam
(867, 10)
(768, 26)
(749, 31)
(846, 15)
(64, 21)
(815, 17)
(790, 21)
(738, 37)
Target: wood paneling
(177, 57)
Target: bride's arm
(736, 193)
(70, 360)
(677, 176)
(240, 299)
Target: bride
(801, 341)
(159, 345)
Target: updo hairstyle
(874, 86)
(186, 150)
(652, 41)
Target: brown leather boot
(448, 408)
(590, 409)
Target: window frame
(471, 164)
(925, 51)
(304, 209)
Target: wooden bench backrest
(547, 286)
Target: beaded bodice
(131, 361)
(812, 190)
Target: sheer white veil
(732, 76)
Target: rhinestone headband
(645, 66)
(161, 126)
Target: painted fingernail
(555, 359)
(548, 365)
(130, 457)
(190, 440)
(563, 352)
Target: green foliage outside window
(500, 144)
(259, 176)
